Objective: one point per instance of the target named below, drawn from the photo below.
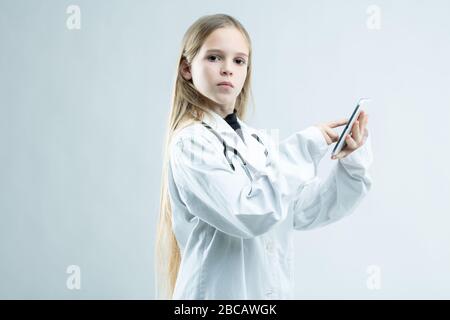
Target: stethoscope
(227, 148)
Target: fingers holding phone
(355, 138)
(354, 134)
(327, 129)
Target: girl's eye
(209, 58)
(214, 58)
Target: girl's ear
(185, 70)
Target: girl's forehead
(228, 40)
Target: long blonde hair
(188, 106)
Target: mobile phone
(362, 104)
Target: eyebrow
(218, 50)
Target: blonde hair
(188, 106)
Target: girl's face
(223, 57)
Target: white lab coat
(235, 235)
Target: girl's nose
(226, 70)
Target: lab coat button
(269, 247)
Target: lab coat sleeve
(322, 202)
(298, 157)
(223, 198)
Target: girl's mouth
(225, 84)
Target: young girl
(230, 196)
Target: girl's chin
(223, 100)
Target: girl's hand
(353, 141)
(328, 132)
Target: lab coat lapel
(252, 151)
(231, 137)
(255, 150)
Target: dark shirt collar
(231, 119)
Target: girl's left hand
(353, 141)
(357, 137)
